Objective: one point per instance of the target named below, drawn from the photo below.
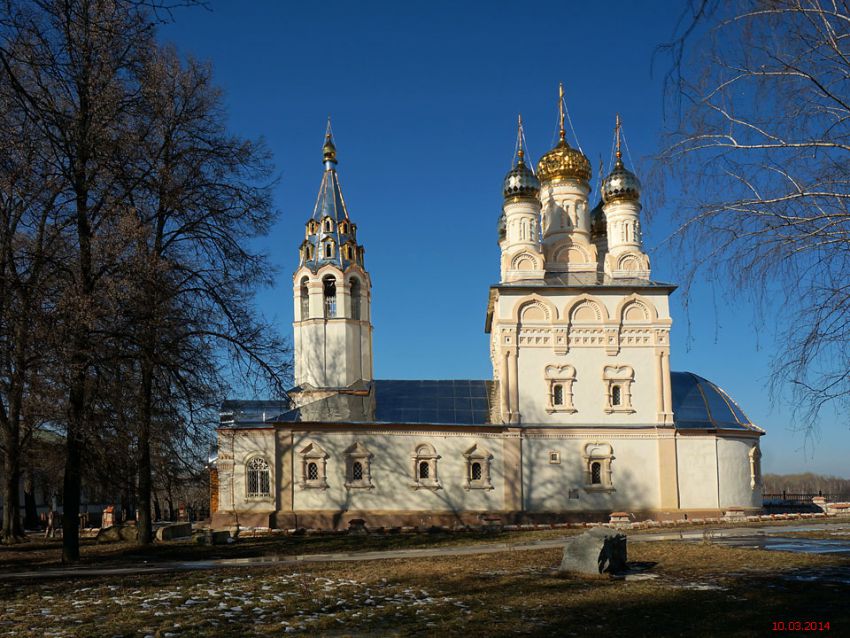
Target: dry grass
(700, 590)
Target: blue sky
(424, 98)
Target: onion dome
(621, 184)
(598, 225)
(563, 162)
(521, 181)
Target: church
(582, 417)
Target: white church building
(583, 416)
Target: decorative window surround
(597, 467)
(313, 455)
(554, 457)
(618, 389)
(477, 469)
(424, 464)
(755, 467)
(358, 467)
(559, 380)
(257, 479)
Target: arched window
(477, 469)
(618, 393)
(329, 249)
(596, 473)
(329, 289)
(258, 480)
(560, 380)
(314, 462)
(358, 467)
(305, 299)
(328, 225)
(355, 298)
(558, 394)
(424, 460)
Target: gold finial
(561, 132)
(329, 150)
(617, 133)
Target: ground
(693, 589)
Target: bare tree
(759, 164)
(156, 204)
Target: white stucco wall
(588, 359)
(736, 485)
(547, 486)
(236, 448)
(697, 470)
(392, 473)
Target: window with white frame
(424, 464)
(477, 469)
(560, 380)
(358, 467)
(258, 478)
(755, 467)
(618, 388)
(598, 475)
(314, 466)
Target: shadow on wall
(386, 488)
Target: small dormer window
(329, 250)
(343, 228)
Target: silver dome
(620, 184)
(521, 182)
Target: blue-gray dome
(620, 184)
(521, 181)
(598, 225)
(698, 404)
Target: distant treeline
(807, 483)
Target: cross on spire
(561, 131)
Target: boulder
(176, 530)
(595, 551)
(116, 533)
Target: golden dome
(563, 162)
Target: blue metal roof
(698, 404)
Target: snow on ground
(265, 604)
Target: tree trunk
(12, 531)
(72, 481)
(144, 486)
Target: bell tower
(332, 291)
